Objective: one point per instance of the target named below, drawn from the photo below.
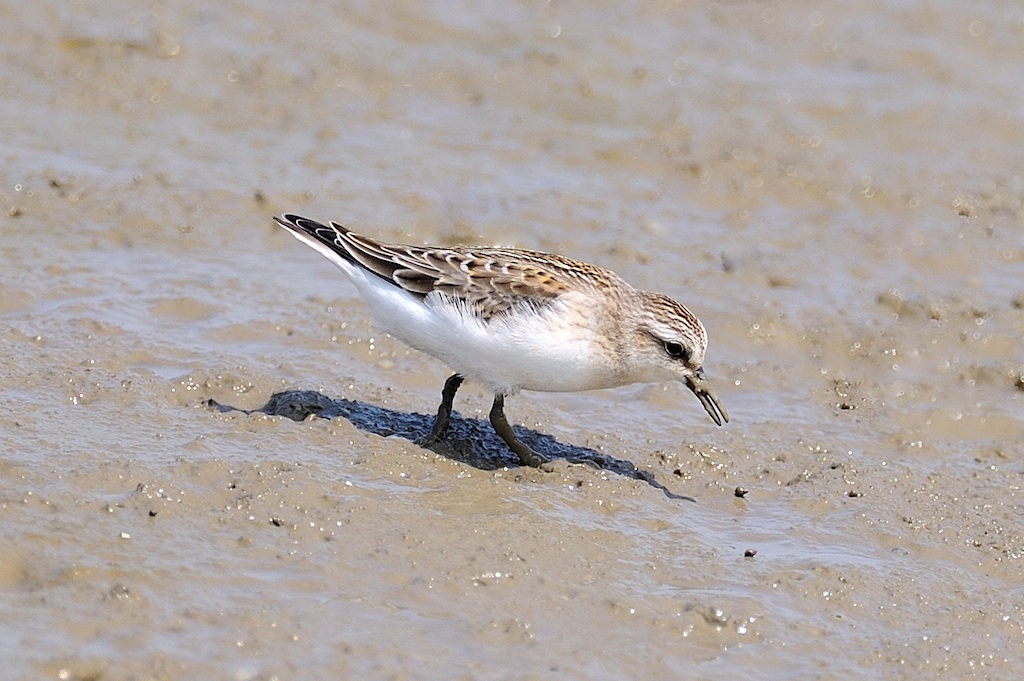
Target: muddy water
(836, 191)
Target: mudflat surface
(836, 191)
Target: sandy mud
(835, 189)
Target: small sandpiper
(516, 320)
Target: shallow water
(837, 191)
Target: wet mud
(835, 189)
(469, 441)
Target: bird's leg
(444, 412)
(527, 456)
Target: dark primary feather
(488, 281)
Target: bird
(514, 320)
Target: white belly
(551, 352)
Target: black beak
(700, 387)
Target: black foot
(527, 456)
(444, 412)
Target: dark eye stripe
(676, 350)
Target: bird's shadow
(471, 441)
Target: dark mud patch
(469, 441)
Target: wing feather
(490, 282)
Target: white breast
(550, 351)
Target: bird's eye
(675, 350)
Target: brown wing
(489, 281)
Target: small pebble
(741, 492)
(750, 553)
